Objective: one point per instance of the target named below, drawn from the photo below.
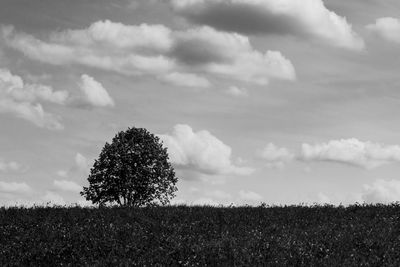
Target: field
(361, 235)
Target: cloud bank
(306, 18)
(353, 152)
(155, 50)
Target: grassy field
(201, 236)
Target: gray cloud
(243, 18)
(195, 51)
(308, 19)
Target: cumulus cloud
(186, 79)
(22, 100)
(37, 92)
(95, 93)
(200, 151)
(352, 151)
(306, 18)
(109, 34)
(156, 50)
(249, 196)
(387, 28)
(381, 191)
(68, 186)
(14, 188)
(230, 54)
(276, 156)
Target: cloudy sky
(275, 101)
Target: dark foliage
(201, 236)
(132, 171)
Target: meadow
(359, 235)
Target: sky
(258, 101)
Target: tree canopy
(134, 170)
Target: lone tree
(132, 171)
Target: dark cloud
(309, 19)
(198, 52)
(244, 19)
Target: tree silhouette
(132, 171)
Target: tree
(132, 171)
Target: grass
(360, 235)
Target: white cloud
(14, 188)
(237, 91)
(21, 100)
(200, 151)
(306, 18)
(186, 79)
(249, 196)
(110, 34)
(387, 28)
(230, 54)
(34, 92)
(352, 151)
(381, 191)
(6, 166)
(94, 92)
(69, 186)
(276, 156)
(156, 50)
(97, 46)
